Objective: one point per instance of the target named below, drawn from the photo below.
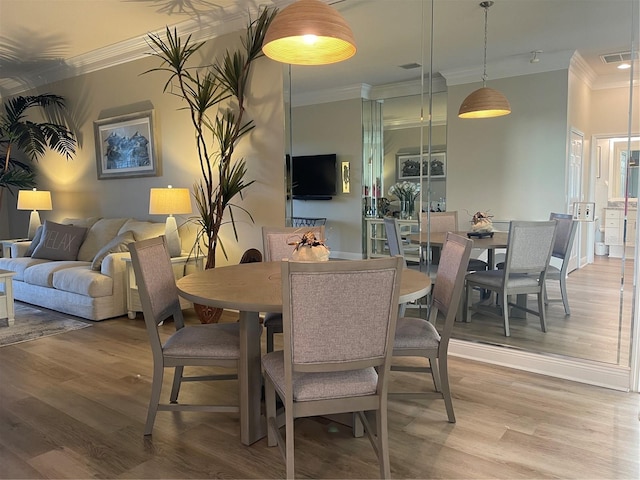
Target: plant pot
(207, 314)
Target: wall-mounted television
(314, 177)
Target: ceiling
(39, 38)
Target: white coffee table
(6, 296)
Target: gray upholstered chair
(338, 339)
(565, 234)
(525, 267)
(200, 345)
(276, 244)
(416, 337)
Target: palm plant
(215, 98)
(19, 134)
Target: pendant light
(485, 102)
(309, 32)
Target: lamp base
(34, 223)
(174, 244)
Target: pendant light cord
(486, 6)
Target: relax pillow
(59, 242)
(118, 244)
(34, 243)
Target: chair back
(565, 233)
(276, 240)
(156, 287)
(530, 246)
(449, 284)
(333, 318)
(441, 222)
(394, 238)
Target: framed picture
(409, 166)
(346, 182)
(125, 146)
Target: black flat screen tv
(313, 177)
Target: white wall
(76, 192)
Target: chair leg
(505, 313)
(446, 391)
(270, 406)
(541, 310)
(177, 380)
(467, 304)
(269, 340)
(290, 445)
(154, 400)
(383, 441)
(435, 373)
(565, 297)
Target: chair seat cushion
(214, 340)
(412, 333)
(319, 386)
(475, 264)
(493, 279)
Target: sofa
(76, 266)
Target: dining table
(252, 288)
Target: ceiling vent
(617, 57)
(410, 66)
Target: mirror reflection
(554, 151)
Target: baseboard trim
(600, 374)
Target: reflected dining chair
(525, 266)
(276, 246)
(215, 344)
(417, 337)
(338, 339)
(562, 246)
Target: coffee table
(6, 296)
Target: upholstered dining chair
(565, 234)
(338, 339)
(525, 267)
(216, 344)
(417, 337)
(276, 244)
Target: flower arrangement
(405, 191)
(315, 251)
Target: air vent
(617, 57)
(410, 66)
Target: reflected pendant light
(485, 102)
(309, 32)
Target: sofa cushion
(59, 242)
(81, 222)
(83, 281)
(35, 242)
(20, 264)
(117, 245)
(143, 230)
(100, 233)
(42, 274)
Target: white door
(574, 192)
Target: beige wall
(76, 191)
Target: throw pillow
(59, 242)
(34, 243)
(118, 244)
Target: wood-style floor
(73, 406)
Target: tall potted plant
(20, 134)
(215, 99)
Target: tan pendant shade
(484, 103)
(309, 32)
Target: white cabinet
(614, 230)
(377, 239)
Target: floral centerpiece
(407, 193)
(310, 249)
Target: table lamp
(170, 201)
(34, 200)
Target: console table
(6, 296)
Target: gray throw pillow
(118, 244)
(35, 242)
(59, 242)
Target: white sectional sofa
(91, 285)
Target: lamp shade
(34, 200)
(484, 103)
(169, 201)
(309, 32)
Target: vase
(407, 209)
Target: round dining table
(252, 288)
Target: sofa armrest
(113, 265)
(18, 249)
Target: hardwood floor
(73, 406)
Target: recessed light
(624, 66)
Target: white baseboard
(600, 374)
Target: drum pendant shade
(309, 32)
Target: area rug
(32, 323)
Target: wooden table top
(436, 239)
(257, 287)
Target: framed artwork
(409, 166)
(346, 182)
(125, 146)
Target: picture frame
(346, 182)
(409, 166)
(125, 146)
